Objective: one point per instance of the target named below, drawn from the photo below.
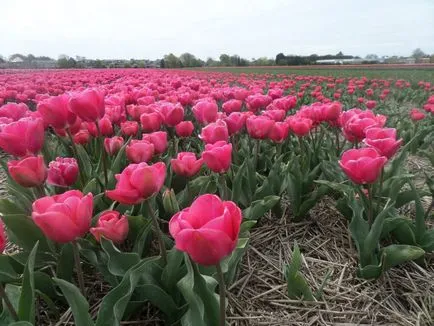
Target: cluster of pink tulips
(98, 159)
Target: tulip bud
(28, 172)
(170, 203)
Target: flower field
(177, 197)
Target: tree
(280, 59)
(162, 63)
(340, 54)
(418, 53)
(225, 60)
(188, 60)
(371, 57)
(172, 61)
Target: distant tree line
(296, 60)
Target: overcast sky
(250, 28)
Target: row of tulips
(155, 178)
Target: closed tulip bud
(300, 126)
(62, 172)
(170, 203)
(184, 128)
(112, 226)
(140, 151)
(88, 105)
(28, 172)
(129, 128)
(207, 230)
(235, 122)
(105, 127)
(23, 137)
(186, 164)
(82, 137)
(416, 115)
(63, 218)
(279, 132)
(151, 121)
(138, 182)
(113, 145)
(172, 114)
(232, 106)
(362, 166)
(218, 156)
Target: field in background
(412, 73)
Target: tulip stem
(370, 189)
(222, 292)
(8, 303)
(104, 154)
(75, 152)
(258, 146)
(158, 232)
(78, 267)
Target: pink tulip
(151, 121)
(186, 164)
(207, 230)
(82, 137)
(88, 105)
(232, 106)
(158, 139)
(14, 111)
(63, 218)
(235, 122)
(138, 182)
(205, 111)
(172, 114)
(362, 166)
(258, 127)
(184, 128)
(112, 226)
(28, 172)
(416, 115)
(63, 172)
(113, 145)
(55, 111)
(218, 156)
(215, 132)
(105, 127)
(3, 238)
(140, 151)
(300, 126)
(129, 128)
(383, 140)
(279, 132)
(23, 137)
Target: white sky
(250, 28)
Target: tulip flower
(140, 151)
(82, 137)
(63, 218)
(416, 115)
(151, 121)
(258, 127)
(279, 132)
(184, 128)
(14, 111)
(105, 127)
(55, 112)
(235, 122)
(205, 111)
(112, 226)
(23, 137)
(28, 172)
(129, 128)
(232, 106)
(383, 140)
(138, 182)
(218, 156)
(88, 105)
(113, 145)
(362, 166)
(63, 172)
(207, 230)
(186, 164)
(158, 139)
(172, 114)
(300, 126)
(215, 132)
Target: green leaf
(118, 262)
(65, 264)
(26, 306)
(21, 323)
(24, 232)
(198, 291)
(115, 302)
(77, 302)
(420, 227)
(85, 161)
(7, 272)
(118, 162)
(91, 186)
(297, 286)
(9, 207)
(174, 269)
(396, 254)
(259, 207)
